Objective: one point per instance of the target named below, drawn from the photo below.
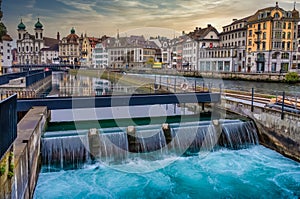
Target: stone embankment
(282, 135)
(21, 165)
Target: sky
(148, 17)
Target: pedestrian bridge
(54, 103)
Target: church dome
(38, 24)
(21, 26)
(72, 38)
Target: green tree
(292, 77)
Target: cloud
(98, 17)
(30, 4)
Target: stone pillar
(94, 143)
(167, 132)
(133, 144)
(218, 128)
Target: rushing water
(255, 172)
(252, 171)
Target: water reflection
(66, 85)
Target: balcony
(257, 41)
(257, 31)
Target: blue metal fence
(33, 78)
(8, 123)
(4, 79)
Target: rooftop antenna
(118, 36)
(294, 5)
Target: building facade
(271, 40)
(69, 52)
(100, 55)
(87, 46)
(36, 49)
(233, 38)
(28, 45)
(6, 53)
(129, 52)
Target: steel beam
(54, 103)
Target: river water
(252, 172)
(255, 172)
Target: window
(250, 42)
(283, 35)
(283, 45)
(284, 25)
(265, 25)
(36, 35)
(276, 15)
(289, 25)
(288, 46)
(19, 35)
(250, 33)
(285, 56)
(264, 35)
(289, 35)
(274, 56)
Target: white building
(28, 45)
(100, 55)
(36, 49)
(6, 47)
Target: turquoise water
(255, 172)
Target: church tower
(39, 42)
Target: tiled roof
(50, 41)
(200, 33)
(51, 48)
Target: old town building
(271, 40)
(69, 52)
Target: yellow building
(87, 46)
(272, 40)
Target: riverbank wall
(275, 132)
(21, 164)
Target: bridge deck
(54, 103)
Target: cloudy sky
(99, 17)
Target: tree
(292, 77)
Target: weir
(66, 150)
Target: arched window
(289, 35)
(283, 45)
(276, 15)
(19, 35)
(36, 35)
(285, 56)
(290, 25)
(283, 35)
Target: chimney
(58, 36)
(196, 28)
(234, 19)
(208, 25)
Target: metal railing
(8, 123)
(31, 79)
